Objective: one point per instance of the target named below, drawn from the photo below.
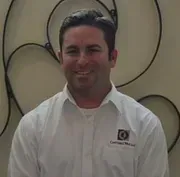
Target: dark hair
(90, 17)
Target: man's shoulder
(40, 113)
(135, 111)
(138, 118)
(129, 103)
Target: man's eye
(72, 52)
(93, 50)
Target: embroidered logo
(123, 135)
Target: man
(89, 129)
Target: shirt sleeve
(153, 159)
(23, 154)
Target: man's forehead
(83, 36)
(86, 46)
(82, 33)
(91, 39)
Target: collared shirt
(121, 138)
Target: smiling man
(87, 62)
(89, 129)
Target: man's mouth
(83, 73)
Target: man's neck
(90, 99)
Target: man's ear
(113, 59)
(60, 57)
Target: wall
(35, 76)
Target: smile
(83, 72)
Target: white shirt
(119, 139)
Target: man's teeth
(83, 73)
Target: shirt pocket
(118, 160)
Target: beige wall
(35, 76)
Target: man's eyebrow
(71, 47)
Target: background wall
(35, 76)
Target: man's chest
(88, 148)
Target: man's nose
(83, 59)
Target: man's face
(85, 58)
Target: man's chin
(83, 86)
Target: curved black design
(113, 14)
(156, 51)
(26, 45)
(176, 110)
(48, 47)
(8, 64)
(9, 105)
(4, 64)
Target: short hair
(90, 17)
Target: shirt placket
(87, 147)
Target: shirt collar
(67, 95)
(113, 96)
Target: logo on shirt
(123, 135)
(123, 138)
